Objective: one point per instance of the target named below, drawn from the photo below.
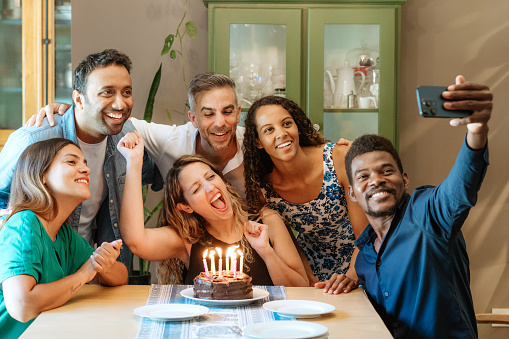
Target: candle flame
(219, 252)
(240, 252)
(205, 253)
(211, 255)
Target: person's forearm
(116, 276)
(478, 140)
(131, 210)
(280, 272)
(43, 297)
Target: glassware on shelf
(362, 56)
(373, 79)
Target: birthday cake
(226, 287)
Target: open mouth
(284, 145)
(115, 116)
(81, 181)
(219, 202)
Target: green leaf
(150, 214)
(168, 42)
(191, 29)
(173, 54)
(149, 107)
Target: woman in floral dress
(289, 166)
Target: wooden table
(107, 312)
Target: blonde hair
(28, 192)
(191, 226)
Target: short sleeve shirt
(27, 249)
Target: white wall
(439, 40)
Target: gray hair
(208, 81)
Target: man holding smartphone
(413, 262)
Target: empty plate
(298, 308)
(284, 329)
(171, 312)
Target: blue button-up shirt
(419, 281)
(107, 219)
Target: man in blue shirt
(413, 262)
(102, 97)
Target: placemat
(219, 322)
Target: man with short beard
(413, 262)
(102, 96)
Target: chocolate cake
(225, 288)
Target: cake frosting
(225, 287)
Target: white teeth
(115, 115)
(284, 144)
(220, 134)
(82, 181)
(378, 194)
(217, 196)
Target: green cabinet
(299, 48)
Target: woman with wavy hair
(43, 261)
(289, 166)
(202, 211)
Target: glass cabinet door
(259, 49)
(10, 65)
(62, 82)
(35, 61)
(352, 71)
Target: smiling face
(205, 193)
(106, 104)
(378, 185)
(216, 116)
(277, 132)
(68, 175)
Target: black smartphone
(431, 103)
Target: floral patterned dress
(324, 230)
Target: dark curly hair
(97, 60)
(257, 163)
(369, 143)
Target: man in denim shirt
(413, 262)
(102, 97)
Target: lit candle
(220, 253)
(205, 262)
(234, 264)
(228, 254)
(212, 263)
(241, 261)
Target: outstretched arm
(148, 243)
(282, 260)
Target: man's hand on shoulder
(48, 111)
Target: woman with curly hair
(201, 211)
(289, 166)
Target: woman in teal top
(44, 262)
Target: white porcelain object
(299, 308)
(257, 295)
(284, 329)
(171, 312)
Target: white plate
(298, 308)
(171, 312)
(285, 329)
(257, 295)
